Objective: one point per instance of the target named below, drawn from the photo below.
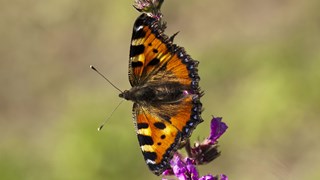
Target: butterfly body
(165, 92)
(156, 94)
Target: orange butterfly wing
(165, 92)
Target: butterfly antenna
(102, 125)
(92, 67)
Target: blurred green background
(259, 67)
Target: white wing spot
(148, 161)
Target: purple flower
(210, 177)
(223, 177)
(150, 7)
(201, 153)
(207, 177)
(185, 169)
(182, 169)
(217, 129)
(207, 150)
(192, 169)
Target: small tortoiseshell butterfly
(165, 91)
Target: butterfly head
(124, 95)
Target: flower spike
(150, 7)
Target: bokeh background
(259, 67)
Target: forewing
(153, 56)
(147, 51)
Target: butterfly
(165, 91)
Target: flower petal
(207, 177)
(217, 129)
(223, 177)
(178, 167)
(192, 170)
(210, 177)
